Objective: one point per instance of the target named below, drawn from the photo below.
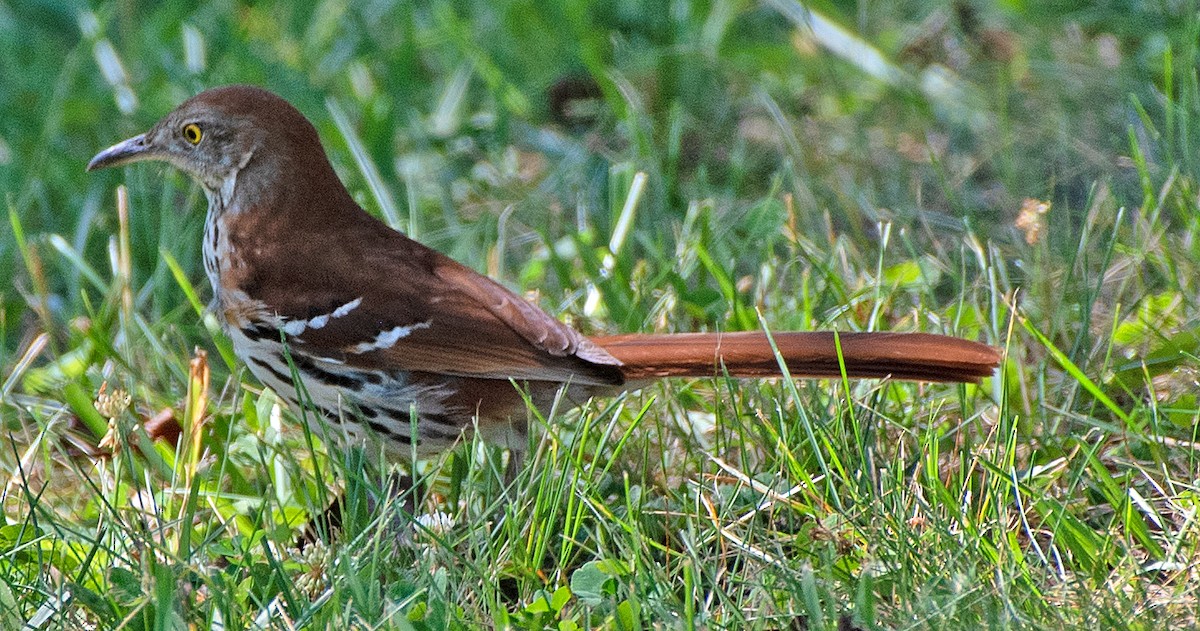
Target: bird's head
(219, 133)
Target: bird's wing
(399, 305)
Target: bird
(395, 341)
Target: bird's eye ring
(192, 133)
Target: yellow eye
(192, 133)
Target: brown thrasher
(380, 327)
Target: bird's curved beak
(124, 152)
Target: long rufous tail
(909, 356)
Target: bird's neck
(216, 249)
(260, 213)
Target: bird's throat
(216, 242)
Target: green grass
(782, 181)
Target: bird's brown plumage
(387, 327)
(913, 356)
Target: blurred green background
(1023, 173)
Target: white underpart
(296, 327)
(394, 393)
(230, 181)
(220, 204)
(388, 338)
(227, 185)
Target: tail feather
(909, 356)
